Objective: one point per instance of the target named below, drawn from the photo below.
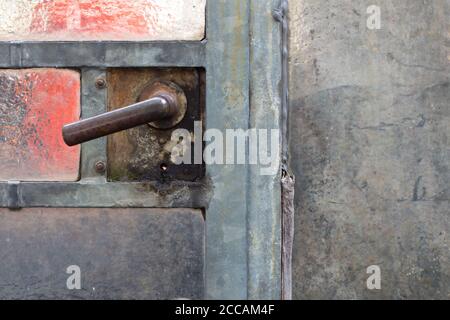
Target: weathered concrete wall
(370, 130)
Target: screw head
(100, 83)
(100, 166)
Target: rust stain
(34, 105)
(144, 153)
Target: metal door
(135, 225)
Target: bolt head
(100, 83)
(100, 167)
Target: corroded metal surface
(34, 105)
(144, 153)
(288, 227)
(158, 107)
(264, 197)
(243, 254)
(102, 54)
(93, 101)
(92, 192)
(49, 20)
(175, 96)
(121, 253)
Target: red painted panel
(34, 105)
(92, 17)
(102, 20)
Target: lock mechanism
(162, 105)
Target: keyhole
(164, 167)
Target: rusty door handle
(162, 105)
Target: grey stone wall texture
(370, 147)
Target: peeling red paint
(34, 105)
(119, 19)
(93, 20)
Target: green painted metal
(102, 54)
(228, 107)
(264, 211)
(93, 102)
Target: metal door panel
(138, 20)
(240, 56)
(34, 105)
(121, 253)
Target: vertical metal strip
(287, 204)
(227, 103)
(288, 180)
(93, 102)
(13, 195)
(264, 213)
(281, 15)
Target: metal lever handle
(164, 105)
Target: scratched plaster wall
(370, 130)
